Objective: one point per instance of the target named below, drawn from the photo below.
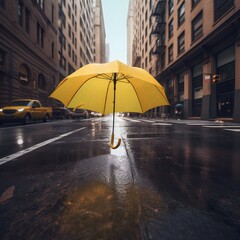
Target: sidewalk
(195, 121)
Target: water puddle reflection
(99, 211)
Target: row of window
(171, 6)
(24, 74)
(24, 19)
(220, 8)
(197, 32)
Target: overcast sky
(115, 19)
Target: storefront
(225, 88)
(197, 90)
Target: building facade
(41, 42)
(28, 49)
(195, 55)
(75, 35)
(130, 32)
(100, 35)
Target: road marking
(148, 121)
(163, 124)
(132, 120)
(223, 126)
(34, 147)
(233, 130)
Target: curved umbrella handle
(112, 142)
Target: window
(73, 38)
(221, 7)
(2, 3)
(170, 54)
(52, 13)
(40, 35)
(72, 20)
(181, 43)
(1, 58)
(195, 2)
(197, 27)
(27, 20)
(180, 87)
(41, 81)
(69, 31)
(52, 47)
(69, 11)
(64, 63)
(197, 89)
(181, 14)
(20, 12)
(41, 4)
(73, 55)
(2, 64)
(75, 59)
(62, 39)
(69, 50)
(62, 17)
(170, 29)
(170, 7)
(23, 74)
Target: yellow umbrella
(109, 88)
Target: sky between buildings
(115, 19)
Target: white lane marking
(233, 130)
(132, 120)
(163, 124)
(34, 147)
(148, 121)
(223, 126)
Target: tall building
(100, 35)
(76, 35)
(129, 32)
(28, 49)
(41, 42)
(81, 34)
(196, 52)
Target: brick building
(28, 49)
(41, 42)
(193, 41)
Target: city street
(169, 179)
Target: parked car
(61, 113)
(80, 113)
(25, 111)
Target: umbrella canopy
(93, 86)
(109, 88)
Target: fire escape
(158, 31)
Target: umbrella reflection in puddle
(98, 211)
(105, 201)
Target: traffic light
(216, 78)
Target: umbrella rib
(161, 93)
(136, 95)
(80, 87)
(106, 97)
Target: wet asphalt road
(168, 180)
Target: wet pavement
(168, 180)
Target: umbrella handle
(112, 142)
